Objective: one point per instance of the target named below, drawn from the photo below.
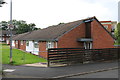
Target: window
(22, 42)
(106, 27)
(36, 45)
(27, 43)
(3, 39)
(49, 45)
(16, 42)
(113, 29)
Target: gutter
(39, 39)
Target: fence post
(67, 58)
(118, 54)
(109, 54)
(48, 62)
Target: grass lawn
(19, 57)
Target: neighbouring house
(110, 25)
(86, 33)
(16, 41)
(5, 35)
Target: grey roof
(6, 32)
(20, 36)
(51, 33)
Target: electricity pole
(10, 26)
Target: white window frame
(22, 42)
(27, 43)
(16, 42)
(3, 39)
(49, 45)
(36, 44)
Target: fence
(69, 56)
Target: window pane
(21, 42)
(50, 45)
(36, 44)
(27, 43)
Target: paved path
(57, 72)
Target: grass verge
(19, 57)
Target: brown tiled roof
(50, 33)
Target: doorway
(88, 45)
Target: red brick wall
(17, 43)
(5, 36)
(109, 26)
(23, 47)
(42, 48)
(69, 40)
(101, 38)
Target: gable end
(105, 29)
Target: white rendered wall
(36, 51)
(1, 39)
(31, 48)
(7, 41)
(13, 43)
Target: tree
(4, 25)
(2, 2)
(117, 33)
(19, 26)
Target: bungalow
(5, 35)
(86, 33)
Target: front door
(87, 53)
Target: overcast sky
(45, 13)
